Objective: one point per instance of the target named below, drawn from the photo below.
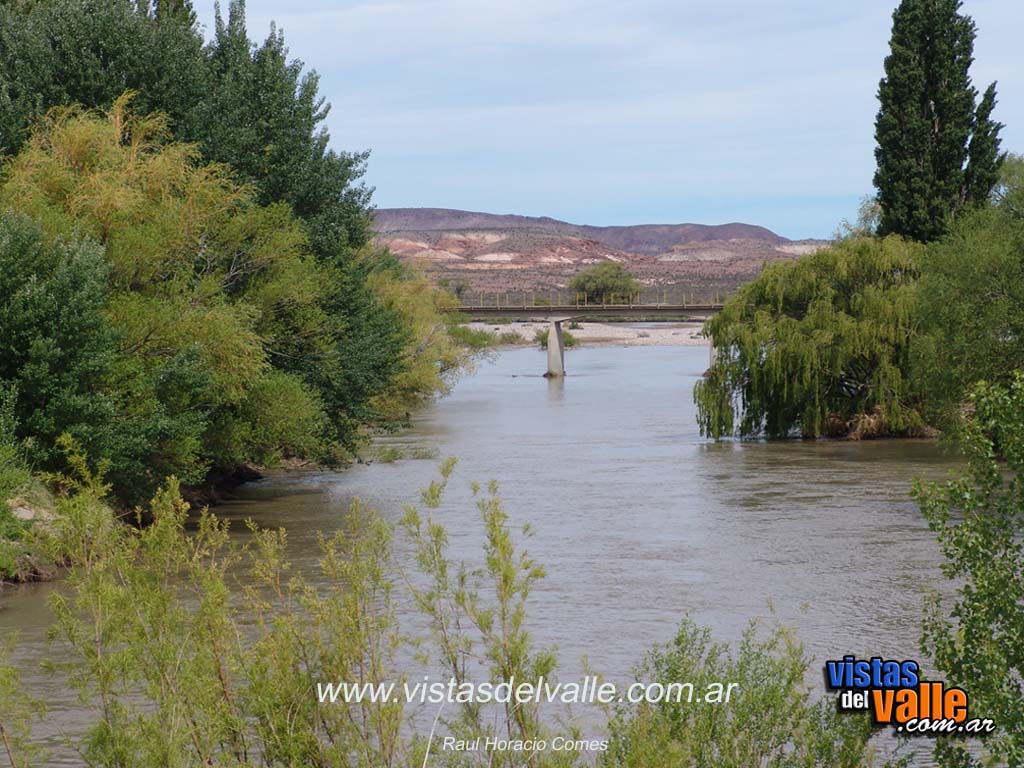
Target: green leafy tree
(209, 296)
(264, 117)
(56, 348)
(243, 104)
(605, 283)
(820, 346)
(971, 303)
(63, 52)
(977, 642)
(937, 146)
(1008, 195)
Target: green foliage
(136, 597)
(474, 338)
(819, 345)
(297, 298)
(769, 719)
(389, 454)
(17, 712)
(14, 478)
(606, 283)
(568, 340)
(280, 417)
(163, 353)
(62, 52)
(263, 117)
(978, 641)
(481, 615)
(245, 104)
(1008, 194)
(971, 304)
(434, 348)
(938, 147)
(55, 346)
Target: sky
(639, 112)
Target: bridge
(591, 311)
(556, 314)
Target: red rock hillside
(491, 253)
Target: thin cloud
(610, 112)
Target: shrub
(769, 719)
(568, 340)
(473, 338)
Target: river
(639, 521)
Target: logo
(896, 696)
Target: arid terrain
(483, 253)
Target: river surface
(639, 521)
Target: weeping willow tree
(818, 346)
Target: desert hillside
(484, 252)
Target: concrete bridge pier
(556, 350)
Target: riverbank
(594, 333)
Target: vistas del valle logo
(896, 696)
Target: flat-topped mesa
(483, 252)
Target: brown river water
(639, 521)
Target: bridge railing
(527, 299)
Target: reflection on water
(638, 520)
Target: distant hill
(488, 252)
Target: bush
(769, 719)
(978, 641)
(473, 338)
(568, 340)
(607, 283)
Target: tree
(244, 105)
(1008, 194)
(820, 345)
(209, 296)
(605, 283)
(89, 52)
(264, 118)
(978, 641)
(55, 345)
(971, 303)
(937, 148)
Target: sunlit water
(639, 521)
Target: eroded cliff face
(490, 253)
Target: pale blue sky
(649, 111)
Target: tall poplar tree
(938, 146)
